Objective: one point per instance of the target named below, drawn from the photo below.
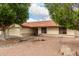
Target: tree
(21, 11)
(63, 14)
(7, 17)
(12, 14)
(76, 22)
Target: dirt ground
(49, 46)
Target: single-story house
(48, 28)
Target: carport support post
(39, 31)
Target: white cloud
(38, 10)
(33, 20)
(38, 13)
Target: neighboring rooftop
(49, 23)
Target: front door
(44, 30)
(35, 31)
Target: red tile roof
(40, 24)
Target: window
(44, 30)
(62, 30)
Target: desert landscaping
(39, 29)
(40, 46)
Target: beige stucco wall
(15, 32)
(18, 31)
(39, 30)
(26, 31)
(53, 30)
(0, 32)
(70, 32)
(77, 33)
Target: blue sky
(41, 4)
(37, 11)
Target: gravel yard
(38, 46)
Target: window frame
(62, 30)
